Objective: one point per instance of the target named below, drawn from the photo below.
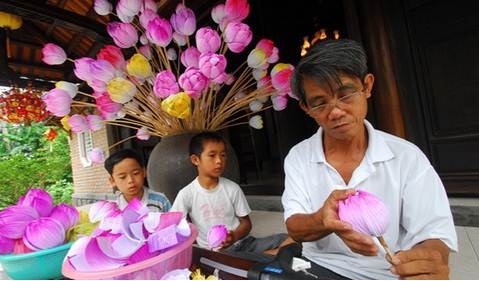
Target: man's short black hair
(197, 141)
(119, 156)
(326, 61)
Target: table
(228, 260)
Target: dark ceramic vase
(170, 169)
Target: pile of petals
(35, 223)
(126, 237)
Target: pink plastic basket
(154, 268)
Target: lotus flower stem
(386, 247)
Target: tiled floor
(464, 264)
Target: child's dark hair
(119, 156)
(198, 140)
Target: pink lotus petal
(365, 212)
(142, 254)
(102, 209)
(183, 228)
(217, 235)
(14, 219)
(112, 223)
(151, 221)
(79, 246)
(39, 199)
(93, 259)
(169, 218)
(162, 239)
(53, 54)
(125, 246)
(105, 243)
(21, 248)
(44, 233)
(67, 215)
(6, 245)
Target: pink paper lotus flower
(113, 55)
(183, 20)
(53, 54)
(146, 16)
(58, 102)
(190, 57)
(218, 13)
(193, 82)
(6, 245)
(159, 32)
(207, 40)
(128, 9)
(217, 235)
(365, 212)
(165, 84)
(102, 7)
(236, 10)
(96, 155)
(237, 36)
(213, 66)
(143, 134)
(38, 199)
(78, 123)
(14, 219)
(124, 34)
(94, 122)
(70, 88)
(280, 77)
(82, 68)
(106, 106)
(279, 102)
(44, 233)
(67, 215)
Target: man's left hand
(420, 263)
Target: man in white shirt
(346, 154)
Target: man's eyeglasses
(326, 107)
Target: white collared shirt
(394, 170)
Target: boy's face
(212, 160)
(128, 176)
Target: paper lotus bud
(279, 102)
(256, 122)
(94, 122)
(67, 215)
(180, 39)
(124, 34)
(177, 105)
(207, 40)
(257, 58)
(146, 16)
(58, 102)
(102, 209)
(14, 219)
(266, 46)
(149, 4)
(105, 105)
(171, 54)
(96, 155)
(78, 123)
(145, 50)
(128, 9)
(259, 73)
(192, 81)
(82, 68)
(159, 32)
(217, 235)
(113, 55)
(139, 67)
(44, 233)
(39, 199)
(218, 13)
(255, 106)
(102, 7)
(70, 88)
(102, 70)
(190, 57)
(213, 66)
(365, 212)
(236, 10)
(183, 20)
(143, 134)
(121, 90)
(280, 77)
(237, 36)
(53, 54)
(165, 84)
(274, 57)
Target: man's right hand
(328, 215)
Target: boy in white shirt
(211, 199)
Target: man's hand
(358, 242)
(420, 263)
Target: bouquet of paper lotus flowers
(35, 223)
(177, 78)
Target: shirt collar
(377, 150)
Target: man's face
(128, 176)
(212, 160)
(340, 113)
